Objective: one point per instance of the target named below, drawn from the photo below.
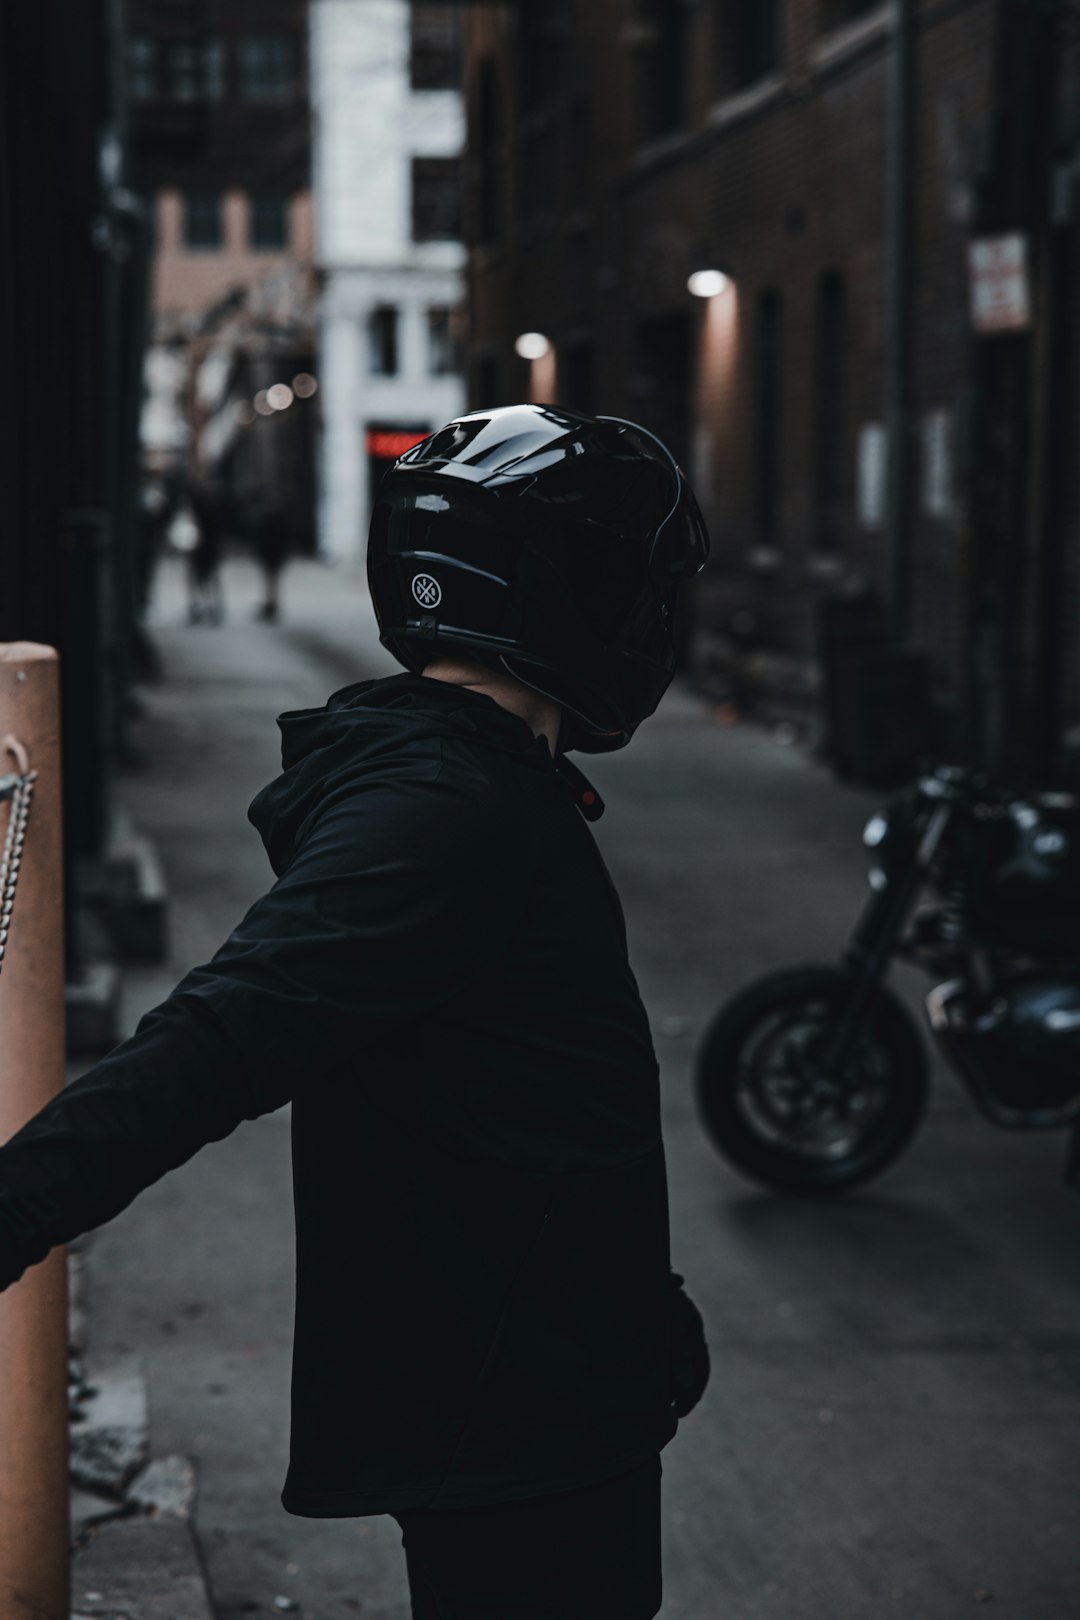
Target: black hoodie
(439, 983)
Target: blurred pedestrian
(156, 512)
(206, 598)
(157, 508)
(269, 528)
(490, 1343)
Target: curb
(134, 1553)
(140, 1569)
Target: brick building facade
(615, 149)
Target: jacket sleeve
(367, 923)
(177, 1084)
(689, 1350)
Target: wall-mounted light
(532, 345)
(707, 283)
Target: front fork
(873, 944)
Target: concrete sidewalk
(196, 1279)
(896, 1380)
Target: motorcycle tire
(888, 1037)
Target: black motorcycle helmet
(546, 542)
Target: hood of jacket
(357, 727)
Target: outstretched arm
(365, 926)
(178, 1083)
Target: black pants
(591, 1554)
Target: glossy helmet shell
(549, 543)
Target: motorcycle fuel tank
(1020, 1055)
(1029, 893)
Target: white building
(389, 128)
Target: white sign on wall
(871, 475)
(938, 465)
(1000, 283)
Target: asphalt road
(891, 1426)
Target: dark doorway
(664, 382)
(664, 378)
(768, 405)
(830, 411)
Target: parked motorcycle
(814, 1079)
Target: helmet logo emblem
(428, 591)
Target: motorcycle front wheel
(771, 1110)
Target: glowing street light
(532, 345)
(262, 403)
(707, 283)
(279, 397)
(304, 385)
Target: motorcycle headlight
(875, 831)
(876, 837)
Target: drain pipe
(900, 322)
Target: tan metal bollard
(34, 1508)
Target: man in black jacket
(489, 1342)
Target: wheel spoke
(786, 1099)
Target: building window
(661, 39)
(269, 218)
(214, 64)
(195, 70)
(749, 42)
(436, 199)
(576, 387)
(142, 62)
(434, 47)
(768, 404)
(830, 410)
(267, 68)
(490, 152)
(203, 226)
(444, 346)
(835, 13)
(383, 341)
(185, 70)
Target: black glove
(689, 1351)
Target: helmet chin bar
(595, 730)
(401, 640)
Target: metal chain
(20, 790)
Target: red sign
(390, 443)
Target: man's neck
(541, 714)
